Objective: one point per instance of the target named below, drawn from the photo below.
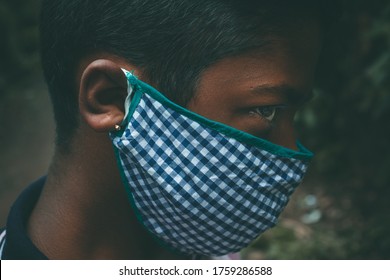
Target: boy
(174, 122)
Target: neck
(84, 212)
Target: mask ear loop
(129, 94)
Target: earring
(117, 127)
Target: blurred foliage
(19, 42)
(347, 125)
(351, 129)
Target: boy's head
(243, 67)
(171, 42)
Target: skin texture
(84, 213)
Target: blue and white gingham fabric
(196, 189)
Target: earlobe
(102, 94)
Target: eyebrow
(291, 94)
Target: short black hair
(171, 41)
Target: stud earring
(117, 127)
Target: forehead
(288, 58)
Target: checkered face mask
(201, 187)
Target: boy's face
(259, 92)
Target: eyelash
(259, 111)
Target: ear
(103, 90)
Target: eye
(266, 112)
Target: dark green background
(341, 211)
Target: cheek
(212, 106)
(213, 101)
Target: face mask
(201, 187)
